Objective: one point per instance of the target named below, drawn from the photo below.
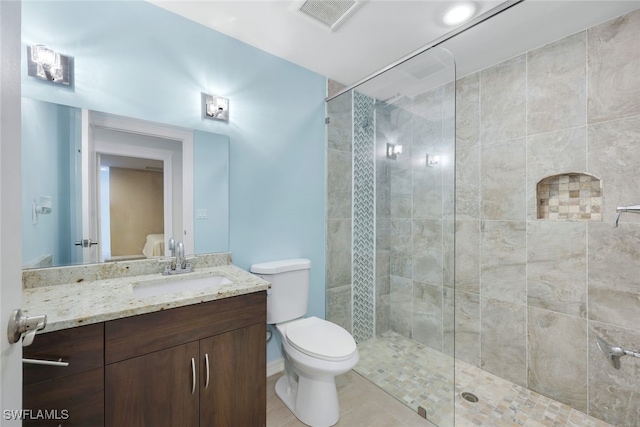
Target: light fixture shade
(47, 64)
(215, 107)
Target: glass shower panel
(400, 297)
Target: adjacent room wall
(136, 209)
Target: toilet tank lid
(275, 267)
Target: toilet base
(314, 401)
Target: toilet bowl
(315, 351)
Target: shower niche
(571, 196)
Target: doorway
(131, 208)
(139, 196)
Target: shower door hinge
(327, 120)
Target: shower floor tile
(422, 378)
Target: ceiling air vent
(330, 14)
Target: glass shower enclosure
(390, 229)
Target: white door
(10, 232)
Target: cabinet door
(236, 393)
(72, 401)
(154, 390)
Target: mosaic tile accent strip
(419, 376)
(571, 196)
(364, 221)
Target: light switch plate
(201, 214)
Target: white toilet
(314, 350)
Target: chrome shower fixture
(432, 160)
(613, 353)
(393, 150)
(622, 209)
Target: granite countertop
(76, 304)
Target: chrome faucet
(622, 209)
(179, 262)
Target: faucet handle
(172, 246)
(180, 246)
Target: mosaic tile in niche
(570, 196)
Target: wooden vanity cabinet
(197, 365)
(71, 395)
(234, 396)
(201, 365)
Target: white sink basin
(168, 286)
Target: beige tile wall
(531, 294)
(338, 268)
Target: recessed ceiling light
(459, 13)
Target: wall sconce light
(432, 160)
(44, 208)
(393, 151)
(46, 64)
(215, 107)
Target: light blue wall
(51, 235)
(135, 59)
(211, 191)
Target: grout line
(442, 217)
(480, 220)
(526, 214)
(586, 159)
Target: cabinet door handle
(193, 375)
(206, 360)
(58, 362)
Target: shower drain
(470, 397)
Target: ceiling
(383, 31)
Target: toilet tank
(289, 294)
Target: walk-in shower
(392, 140)
(471, 197)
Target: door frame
(10, 216)
(151, 129)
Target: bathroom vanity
(187, 358)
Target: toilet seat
(321, 339)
